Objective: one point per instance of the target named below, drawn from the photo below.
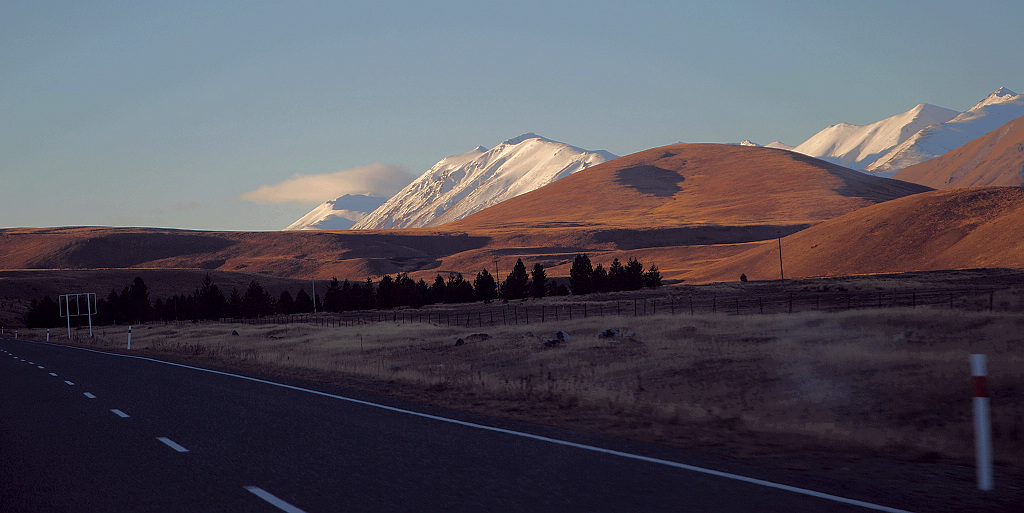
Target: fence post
(982, 425)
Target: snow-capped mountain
(885, 147)
(463, 184)
(339, 214)
(999, 108)
(858, 146)
(779, 145)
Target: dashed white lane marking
(69, 383)
(530, 436)
(170, 443)
(90, 396)
(54, 374)
(41, 367)
(271, 498)
(120, 413)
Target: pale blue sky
(165, 113)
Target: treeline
(208, 301)
(584, 278)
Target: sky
(246, 115)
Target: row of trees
(208, 302)
(584, 278)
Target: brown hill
(996, 158)
(689, 185)
(681, 207)
(950, 229)
(285, 254)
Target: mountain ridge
(462, 184)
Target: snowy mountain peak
(463, 184)
(857, 146)
(525, 137)
(338, 214)
(998, 96)
(999, 108)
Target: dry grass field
(892, 382)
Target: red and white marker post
(982, 424)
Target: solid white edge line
(119, 413)
(90, 396)
(271, 498)
(170, 443)
(648, 459)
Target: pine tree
(652, 278)
(332, 297)
(285, 303)
(257, 301)
(386, 292)
(303, 303)
(539, 280)
(439, 290)
(634, 276)
(486, 289)
(581, 275)
(616, 276)
(515, 286)
(600, 279)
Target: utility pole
(782, 275)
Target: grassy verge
(893, 382)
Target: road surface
(83, 430)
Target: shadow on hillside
(653, 180)
(131, 249)
(694, 235)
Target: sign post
(71, 306)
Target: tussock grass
(893, 382)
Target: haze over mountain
(920, 134)
(462, 184)
(996, 158)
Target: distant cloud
(376, 179)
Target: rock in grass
(609, 333)
(234, 333)
(559, 338)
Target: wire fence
(531, 312)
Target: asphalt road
(88, 431)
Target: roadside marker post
(47, 334)
(982, 424)
(129, 338)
